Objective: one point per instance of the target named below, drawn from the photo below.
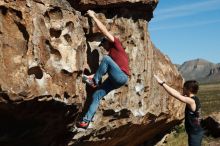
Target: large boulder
(211, 124)
(45, 45)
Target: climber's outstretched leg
(116, 79)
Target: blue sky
(187, 29)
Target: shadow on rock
(34, 123)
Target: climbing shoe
(83, 124)
(89, 81)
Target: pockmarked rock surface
(45, 46)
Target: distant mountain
(177, 65)
(200, 70)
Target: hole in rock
(23, 30)
(93, 59)
(56, 13)
(66, 72)
(70, 26)
(36, 70)
(68, 38)
(53, 51)
(17, 13)
(66, 95)
(55, 33)
(124, 113)
(4, 10)
(109, 112)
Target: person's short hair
(191, 86)
(103, 40)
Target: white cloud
(186, 10)
(194, 24)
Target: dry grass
(177, 138)
(209, 95)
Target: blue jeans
(195, 139)
(116, 78)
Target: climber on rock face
(192, 111)
(115, 64)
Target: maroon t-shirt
(118, 54)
